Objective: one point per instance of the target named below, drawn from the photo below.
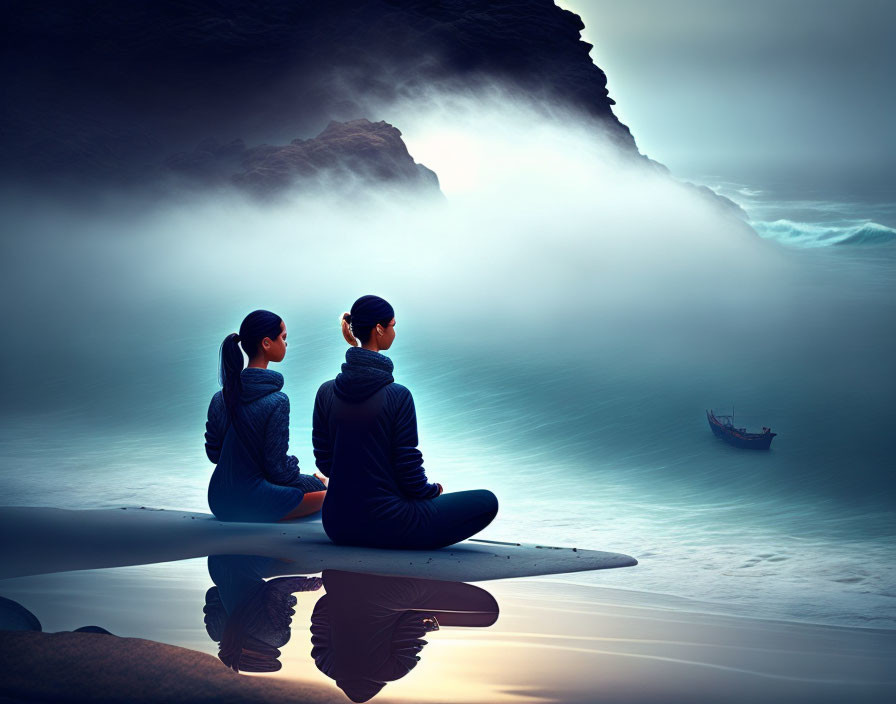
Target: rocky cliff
(105, 88)
(124, 92)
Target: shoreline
(553, 640)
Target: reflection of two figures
(366, 630)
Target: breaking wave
(802, 234)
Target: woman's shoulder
(217, 400)
(326, 387)
(265, 410)
(278, 399)
(397, 393)
(216, 410)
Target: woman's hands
(440, 488)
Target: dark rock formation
(359, 151)
(726, 204)
(108, 88)
(109, 91)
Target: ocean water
(807, 211)
(563, 328)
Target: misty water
(564, 318)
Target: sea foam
(802, 234)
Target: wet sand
(552, 641)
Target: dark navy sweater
(365, 439)
(261, 482)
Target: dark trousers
(455, 517)
(458, 516)
(437, 523)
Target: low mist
(563, 306)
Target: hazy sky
(751, 87)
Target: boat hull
(737, 437)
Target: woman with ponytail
(365, 441)
(247, 432)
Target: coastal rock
(114, 90)
(358, 152)
(370, 152)
(719, 201)
(726, 205)
(80, 667)
(119, 93)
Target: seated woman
(247, 433)
(365, 441)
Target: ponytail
(367, 312)
(347, 332)
(256, 326)
(231, 366)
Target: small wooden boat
(723, 427)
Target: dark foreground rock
(96, 667)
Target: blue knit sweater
(258, 483)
